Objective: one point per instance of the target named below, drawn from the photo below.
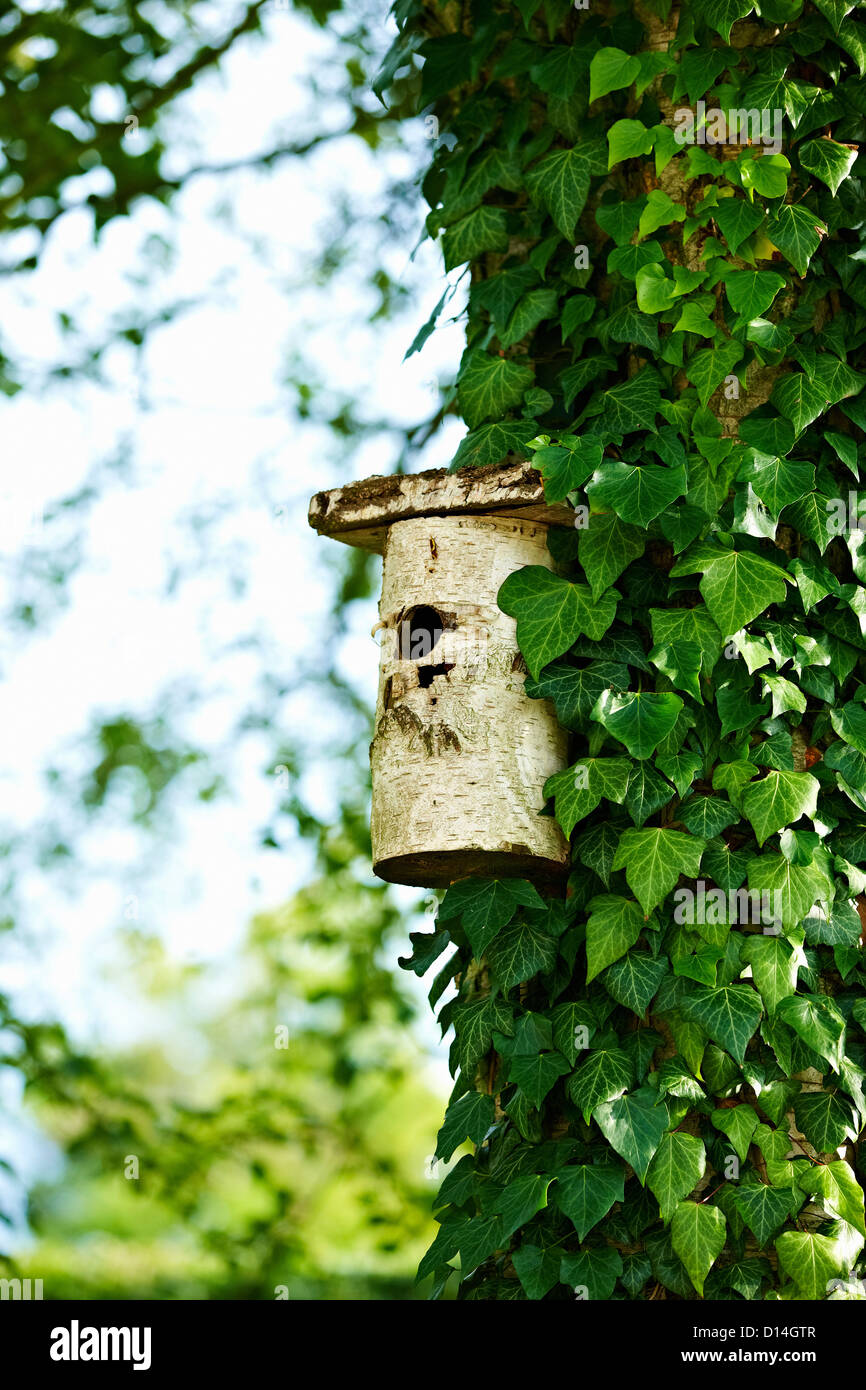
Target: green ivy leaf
(470, 1117)
(606, 547)
(676, 1170)
(636, 494)
(780, 799)
(586, 1194)
(810, 1261)
(728, 1015)
(536, 1076)
(634, 1126)
(613, 928)
(634, 980)
(653, 860)
(577, 790)
(552, 613)
(561, 181)
(764, 1209)
(816, 1020)
(490, 385)
(486, 906)
(698, 1235)
(828, 160)
(610, 70)
(641, 720)
(603, 1077)
(521, 951)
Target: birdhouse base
(440, 868)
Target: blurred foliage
(259, 1166)
(271, 1132)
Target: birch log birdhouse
(460, 754)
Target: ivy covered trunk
(662, 1070)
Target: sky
(195, 437)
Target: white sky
(218, 436)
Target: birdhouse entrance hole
(419, 633)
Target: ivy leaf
(764, 1209)
(634, 980)
(641, 720)
(739, 1123)
(828, 160)
(561, 180)
(470, 1117)
(596, 848)
(722, 15)
(751, 292)
(636, 493)
(632, 405)
(605, 1074)
(728, 1015)
(778, 800)
(707, 369)
(676, 1170)
(797, 232)
(647, 793)
(482, 230)
(552, 613)
(626, 139)
(810, 1261)
(475, 1022)
(680, 768)
(492, 443)
(698, 1235)
(840, 1192)
(613, 927)
(565, 467)
(825, 1120)
(594, 1270)
(521, 951)
(672, 625)
(486, 906)
(736, 220)
(536, 1076)
(816, 1020)
(653, 860)
(490, 385)
(737, 586)
(586, 1194)
(537, 1268)
(849, 723)
(606, 547)
(634, 1125)
(520, 1201)
(798, 399)
(578, 790)
(574, 689)
(780, 481)
(774, 968)
(610, 70)
(797, 885)
(707, 816)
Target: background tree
(258, 1166)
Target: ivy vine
(660, 212)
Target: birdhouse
(460, 753)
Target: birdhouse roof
(360, 513)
